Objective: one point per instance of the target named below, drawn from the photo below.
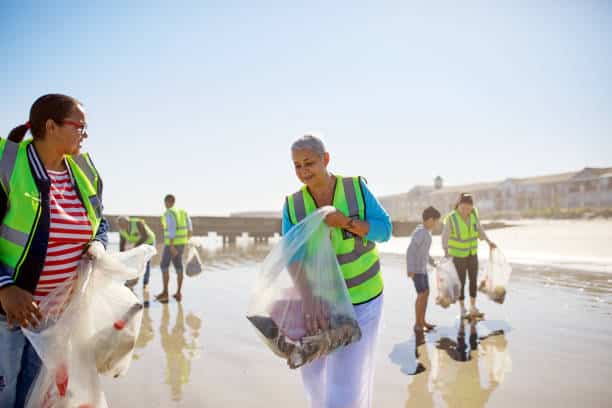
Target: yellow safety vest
(182, 226)
(463, 239)
(132, 234)
(358, 257)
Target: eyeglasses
(81, 127)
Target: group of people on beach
(51, 211)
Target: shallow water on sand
(567, 244)
(548, 344)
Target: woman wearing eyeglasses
(460, 235)
(50, 212)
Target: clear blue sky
(204, 99)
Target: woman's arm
(380, 227)
(102, 233)
(286, 224)
(17, 303)
(377, 224)
(483, 235)
(6, 276)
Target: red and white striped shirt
(69, 233)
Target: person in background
(136, 232)
(417, 257)
(177, 231)
(460, 235)
(50, 214)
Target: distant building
(588, 188)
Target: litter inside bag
(194, 263)
(300, 281)
(447, 283)
(496, 277)
(113, 345)
(90, 325)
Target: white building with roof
(590, 187)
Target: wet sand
(548, 345)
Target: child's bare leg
(420, 304)
(427, 325)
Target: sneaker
(462, 312)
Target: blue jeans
(19, 365)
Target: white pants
(344, 378)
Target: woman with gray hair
(343, 378)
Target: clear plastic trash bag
(496, 277)
(448, 284)
(193, 266)
(90, 326)
(300, 281)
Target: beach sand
(548, 345)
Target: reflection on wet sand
(178, 349)
(454, 372)
(179, 342)
(227, 256)
(443, 368)
(180, 339)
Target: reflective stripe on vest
(84, 163)
(358, 258)
(23, 207)
(14, 236)
(7, 164)
(463, 239)
(182, 227)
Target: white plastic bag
(496, 277)
(90, 325)
(299, 281)
(193, 266)
(447, 283)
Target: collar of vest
(40, 173)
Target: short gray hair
(309, 142)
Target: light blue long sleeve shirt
(375, 215)
(417, 254)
